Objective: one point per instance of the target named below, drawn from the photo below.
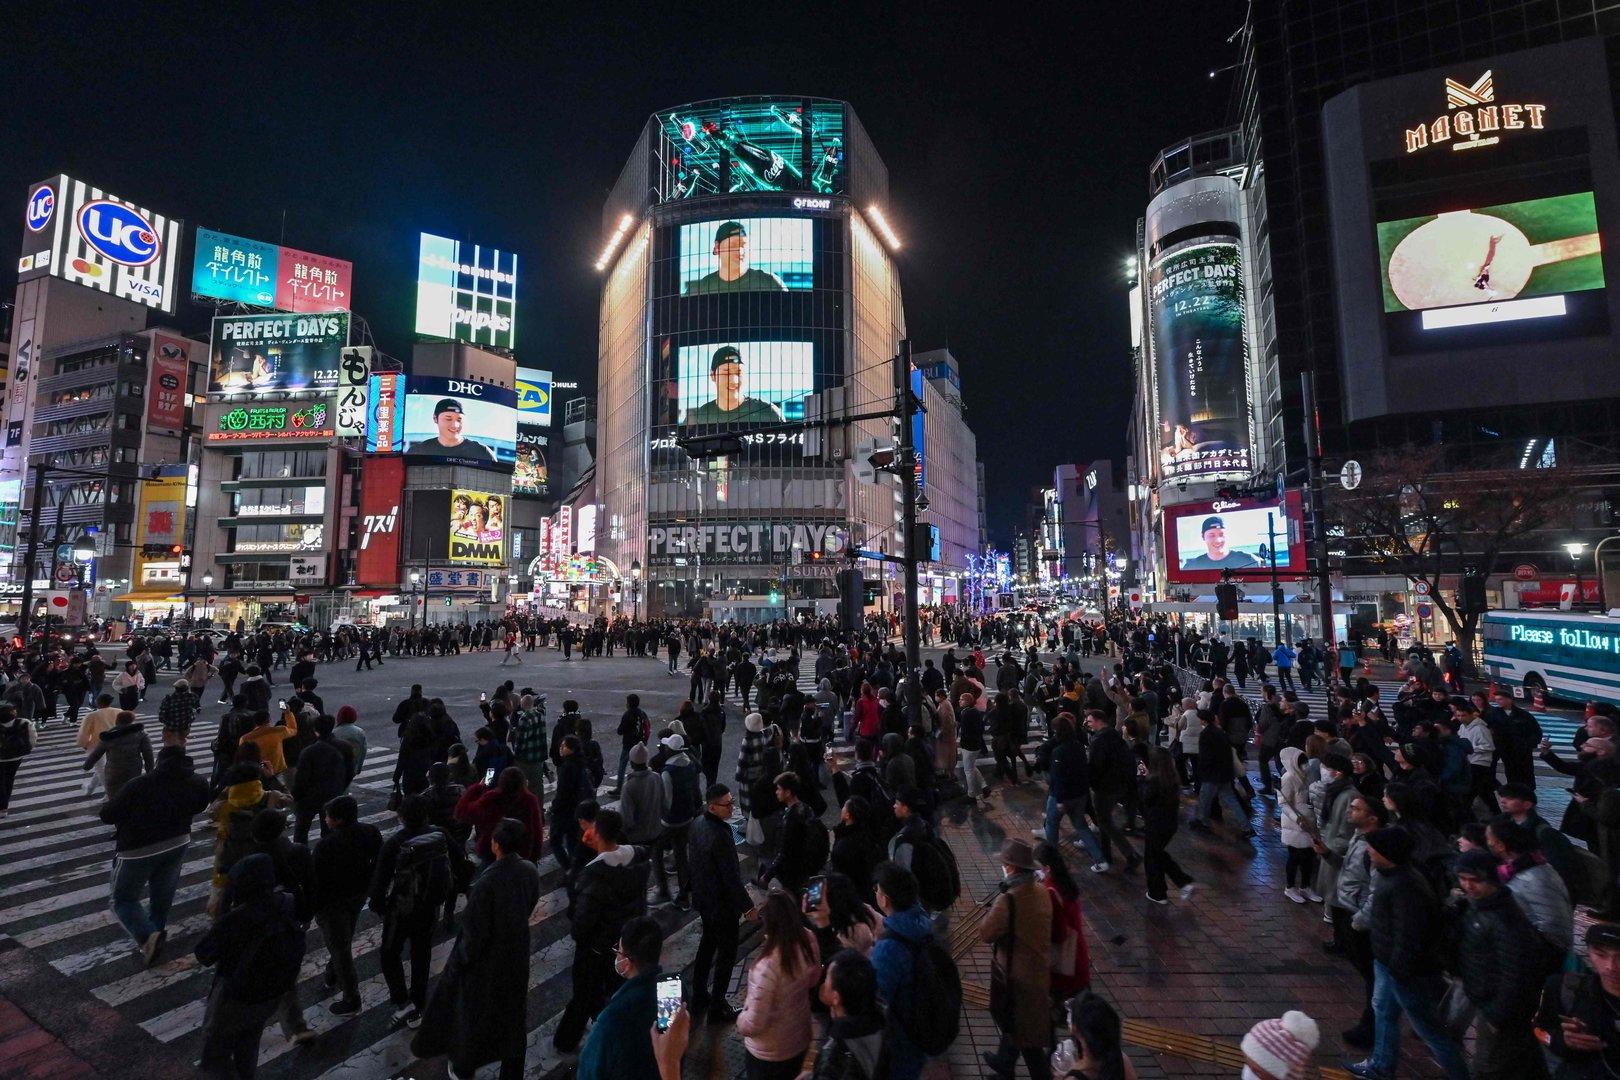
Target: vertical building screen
(745, 145)
(1200, 352)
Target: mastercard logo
(88, 269)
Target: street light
(1575, 547)
(416, 582)
(635, 590)
(208, 584)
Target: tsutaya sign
(758, 542)
(1474, 119)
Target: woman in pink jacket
(775, 1021)
(868, 713)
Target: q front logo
(118, 233)
(40, 206)
(1474, 119)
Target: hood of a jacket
(623, 855)
(122, 731)
(243, 795)
(1293, 759)
(913, 924)
(253, 876)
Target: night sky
(1017, 154)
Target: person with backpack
(611, 889)
(683, 803)
(854, 1048)
(634, 727)
(413, 877)
(292, 868)
(152, 817)
(721, 901)
(917, 979)
(478, 1012)
(802, 844)
(343, 863)
(485, 807)
(17, 740)
(324, 772)
(1018, 929)
(256, 949)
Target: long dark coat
(478, 1005)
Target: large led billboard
(257, 353)
(743, 383)
(1200, 356)
(477, 528)
(466, 292)
(746, 255)
(243, 271)
(1498, 263)
(82, 234)
(750, 144)
(472, 422)
(529, 472)
(1203, 540)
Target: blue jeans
(1419, 1000)
(1075, 810)
(1209, 791)
(131, 877)
(624, 762)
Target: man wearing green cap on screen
(734, 275)
(731, 405)
(1217, 555)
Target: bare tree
(1424, 511)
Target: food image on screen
(1488, 254)
(1231, 540)
(746, 255)
(477, 526)
(744, 383)
(453, 418)
(752, 144)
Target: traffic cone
(1539, 698)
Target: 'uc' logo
(40, 205)
(118, 233)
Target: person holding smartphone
(620, 1042)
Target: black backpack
(817, 844)
(238, 840)
(14, 741)
(934, 1018)
(934, 865)
(421, 874)
(272, 961)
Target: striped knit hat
(1283, 1047)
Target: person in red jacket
(868, 718)
(1071, 957)
(483, 807)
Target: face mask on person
(621, 966)
(1330, 775)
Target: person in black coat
(573, 787)
(1113, 768)
(721, 900)
(478, 1011)
(342, 866)
(325, 768)
(152, 816)
(792, 863)
(610, 890)
(1216, 772)
(1502, 962)
(1068, 791)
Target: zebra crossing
(55, 861)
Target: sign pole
(1319, 547)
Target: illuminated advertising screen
(473, 422)
(750, 144)
(84, 235)
(744, 383)
(534, 396)
(243, 271)
(271, 423)
(385, 413)
(1200, 354)
(382, 490)
(1205, 539)
(1489, 264)
(477, 527)
(746, 255)
(466, 292)
(529, 472)
(255, 353)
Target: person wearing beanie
(756, 761)
(176, 713)
(1405, 926)
(911, 810)
(351, 736)
(1280, 1049)
(1502, 964)
(642, 800)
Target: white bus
(1567, 655)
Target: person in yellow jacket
(247, 787)
(269, 738)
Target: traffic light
(178, 549)
(851, 599)
(1226, 600)
(1472, 598)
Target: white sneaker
(1099, 868)
(1313, 896)
(1295, 895)
(402, 1012)
(1161, 903)
(1187, 890)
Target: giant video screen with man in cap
(1203, 540)
(472, 422)
(744, 383)
(746, 255)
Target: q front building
(750, 289)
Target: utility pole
(906, 460)
(1276, 587)
(1319, 546)
(26, 615)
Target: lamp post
(1575, 547)
(208, 585)
(511, 588)
(635, 590)
(416, 583)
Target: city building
(750, 288)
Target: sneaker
(344, 1007)
(1099, 868)
(1367, 1070)
(1160, 900)
(1187, 890)
(149, 948)
(403, 1013)
(1295, 895)
(1312, 895)
(306, 1036)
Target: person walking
(1018, 929)
(721, 900)
(1068, 791)
(128, 752)
(17, 741)
(775, 1019)
(176, 712)
(1113, 768)
(343, 864)
(324, 772)
(1502, 965)
(634, 729)
(152, 816)
(1284, 656)
(1160, 801)
(610, 890)
(414, 875)
(971, 746)
(1217, 771)
(478, 1011)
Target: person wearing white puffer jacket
(1299, 827)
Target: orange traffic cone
(1539, 698)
